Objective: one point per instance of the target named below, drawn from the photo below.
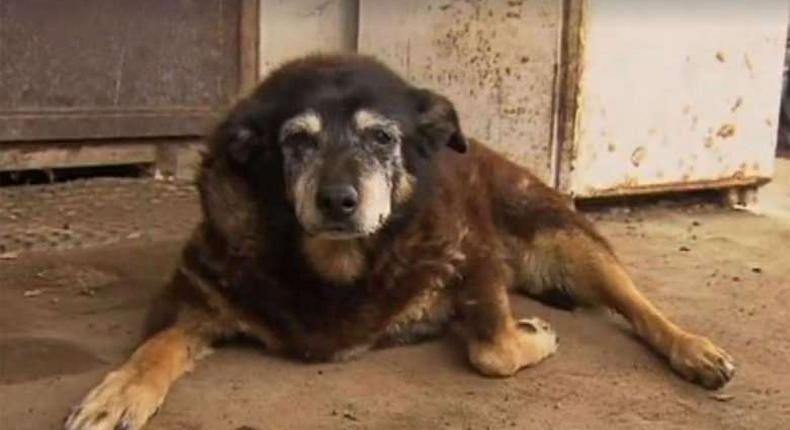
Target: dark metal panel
(115, 68)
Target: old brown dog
(344, 210)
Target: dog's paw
(122, 401)
(528, 344)
(698, 360)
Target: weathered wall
(494, 59)
(666, 95)
(291, 28)
(677, 94)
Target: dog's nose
(338, 202)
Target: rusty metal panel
(673, 100)
(292, 28)
(495, 60)
(115, 68)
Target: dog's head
(349, 138)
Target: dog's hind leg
(584, 269)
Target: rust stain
(748, 62)
(638, 155)
(628, 186)
(726, 131)
(737, 105)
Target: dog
(344, 209)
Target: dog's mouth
(337, 231)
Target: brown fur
(338, 261)
(485, 226)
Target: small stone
(684, 248)
(34, 292)
(736, 279)
(10, 255)
(722, 397)
(88, 292)
(757, 269)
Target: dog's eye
(382, 137)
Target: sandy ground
(67, 317)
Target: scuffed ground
(67, 316)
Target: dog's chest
(339, 262)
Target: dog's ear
(243, 133)
(438, 120)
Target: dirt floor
(69, 315)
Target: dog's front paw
(530, 343)
(123, 401)
(698, 360)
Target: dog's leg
(587, 271)
(131, 394)
(499, 345)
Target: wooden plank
(180, 160)
(250, 31)
(567, 92)
(97, 124)
(52, 155)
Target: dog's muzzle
(337, 203)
